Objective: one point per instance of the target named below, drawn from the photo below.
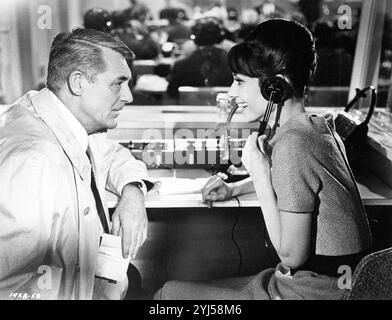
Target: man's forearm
(130, 191)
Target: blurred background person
(218, 10)
(140, 14)
(97, 19)
(250, 18)
(177, 31)
(312, 10)
(205, 67)
(129, 31)
(232, 24)
(334, 60)
(188, 47)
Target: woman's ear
(75, 82)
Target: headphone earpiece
(275, 88)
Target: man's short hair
(80, 50)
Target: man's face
(103, 98)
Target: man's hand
(130, 220)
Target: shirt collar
(73, 123)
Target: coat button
(86, 211)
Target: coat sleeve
(122, 167)
(27, 209)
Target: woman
(308, 197)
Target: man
(50, 227)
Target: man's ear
(76, 82)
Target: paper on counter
(170, 185)
(111, 264)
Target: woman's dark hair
(274, 47)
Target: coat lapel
(45, 108)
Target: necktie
(98, 201)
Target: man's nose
(126, 94)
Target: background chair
(372, 279)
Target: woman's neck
(290, 109)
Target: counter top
(180, 188)
(373, 191)
(139, 117)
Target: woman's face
(247, 90)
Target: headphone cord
(233, 237)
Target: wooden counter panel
(198, 245)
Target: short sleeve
(294, 174)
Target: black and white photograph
(201, 152)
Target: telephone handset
(352, 131)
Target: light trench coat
(49, 228)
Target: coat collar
(44, 104)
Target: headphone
(276, 90)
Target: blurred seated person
(299, 17)
(97, 19)
(190, 46)
(232, 24)
(141, 13)
(130, 32)
(218, 10)
(249, 20)
(205, 67)
(334, 61)
(177, 31)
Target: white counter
(181, 189)
(373, 191)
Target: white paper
(170, 185)
(111, 264)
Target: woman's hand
(256, 162)
(216, 189)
